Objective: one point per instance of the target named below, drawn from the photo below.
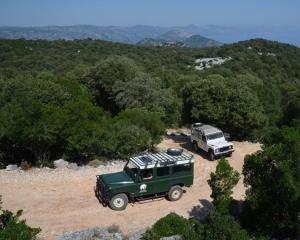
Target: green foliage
(149, 121)
(272, 176)
(57, 100)
(223, 102)
(215, 226)
(170, 225)
(221, 183)
(222, 227)
(11, 228)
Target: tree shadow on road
(202, 210)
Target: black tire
(211, 155)
(195, 147)
(118, 202)
(174, 151)
(175, 193)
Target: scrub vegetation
(87, 99)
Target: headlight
(217, 150)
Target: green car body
(136, 182)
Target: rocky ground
(62, 200)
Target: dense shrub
(171, 225)
(221, 183)
(215, 226)
(272, 175)
(225, 103)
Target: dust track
(63, 200)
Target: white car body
(211, 140)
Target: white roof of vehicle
(150, 160)
(206, 129)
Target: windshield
(215, 136)
(131, 169)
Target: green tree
(222, 227)
(221, 183)
(170, 225)
(226, 103)
(272, 177)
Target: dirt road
(63, 200)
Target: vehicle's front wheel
(211, 155)
(195, 146)
(119, 202)
(175, 193)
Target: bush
(222, 227)
(170, 225)
(272, 177)
(221, 183)
(215, 226)
(225, 103)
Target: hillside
(87, 100)
(257, 81)
(190, 41)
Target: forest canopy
(88, 98)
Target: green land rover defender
(147, 176)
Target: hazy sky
(149, 12)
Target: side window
(203, 138)
(162, 171)
(147, 174)
(182, 168)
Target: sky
(150, 12)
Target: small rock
(73, 166)
(95, 163)
(11, 167)
(175, 237)
(60, 163)
(91, 234)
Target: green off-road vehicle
(146, 176)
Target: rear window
(182, 168)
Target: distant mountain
(159, 43)
(143, 35)
(135, 34)
(193, 41)
(176, 35)
(111, 33)
(197, 41)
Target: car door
(202, 141)
(146, 183)
(162, 179)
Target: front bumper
(224, 152)
(100, 192)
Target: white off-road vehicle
(211, 140)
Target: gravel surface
(63, 200)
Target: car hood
(116, 178)
(217, 143)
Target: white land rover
(211, 140)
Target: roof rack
(150, 160)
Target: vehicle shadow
(184, 142)
(202, 210)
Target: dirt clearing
(63, 200)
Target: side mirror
(227, 136)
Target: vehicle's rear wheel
(195, 146)
(211, 155)
(175, 193)
(119, 202)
